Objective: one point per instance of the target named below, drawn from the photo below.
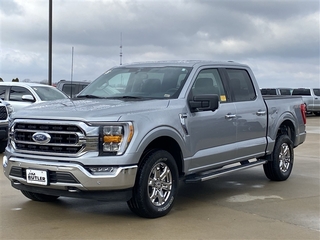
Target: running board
(217, 173)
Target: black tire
(3, 145)
(153, 196)
(39, 197)
(281, 160)
(317, 113)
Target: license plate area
(39, 177)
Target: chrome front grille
(60, 139)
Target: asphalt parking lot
(242, 205)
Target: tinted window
(48, 93)
(241, 85)
(2, 92)
(209, 82)
(301, 91)
(316, 91)
(70, 88)
(268, 91)
(16, 93)
(285, 91)
(82, 87)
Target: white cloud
(278, 39)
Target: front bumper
(68, 177)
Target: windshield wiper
(87, 96)
(125, 97)
(133, 97)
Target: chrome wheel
(284, 157)
(156, 185)
(160, 184)
(280, 163)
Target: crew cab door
(316, 101)
(251, 114)
(211, 135)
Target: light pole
(50, 45)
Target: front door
(211, 134)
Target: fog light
(5, 161)
(95, 170)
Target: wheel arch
(287, 128)
(168, 144)
(284, 126)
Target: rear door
(251, 114)
(316, 101)
(15, 97)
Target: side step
(207, 175)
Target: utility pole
(50, 45)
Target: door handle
(230, 116)
(261, 113)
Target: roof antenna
(71, 78)
(121, 48)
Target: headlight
(114, 139)
(9, 108)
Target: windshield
(49, 93)
(134, 82)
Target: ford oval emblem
(41, 137)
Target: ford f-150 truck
(311, 98)
(138, 129)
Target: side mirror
(28, 98)
(204, 102)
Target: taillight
(303, 113)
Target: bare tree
(44, 81)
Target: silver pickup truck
(139, 129)
(310, 97)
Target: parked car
(20, 94)
(311, 97)
(276, 91)
(5, 110)
(71, 88)
(181, 120)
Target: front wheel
(281, 163)
(156, 185)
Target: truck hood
(89, 109)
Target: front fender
(162, 131)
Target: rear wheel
(39, 197)
(281, 163)
(156, 185)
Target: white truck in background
(311, 98)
